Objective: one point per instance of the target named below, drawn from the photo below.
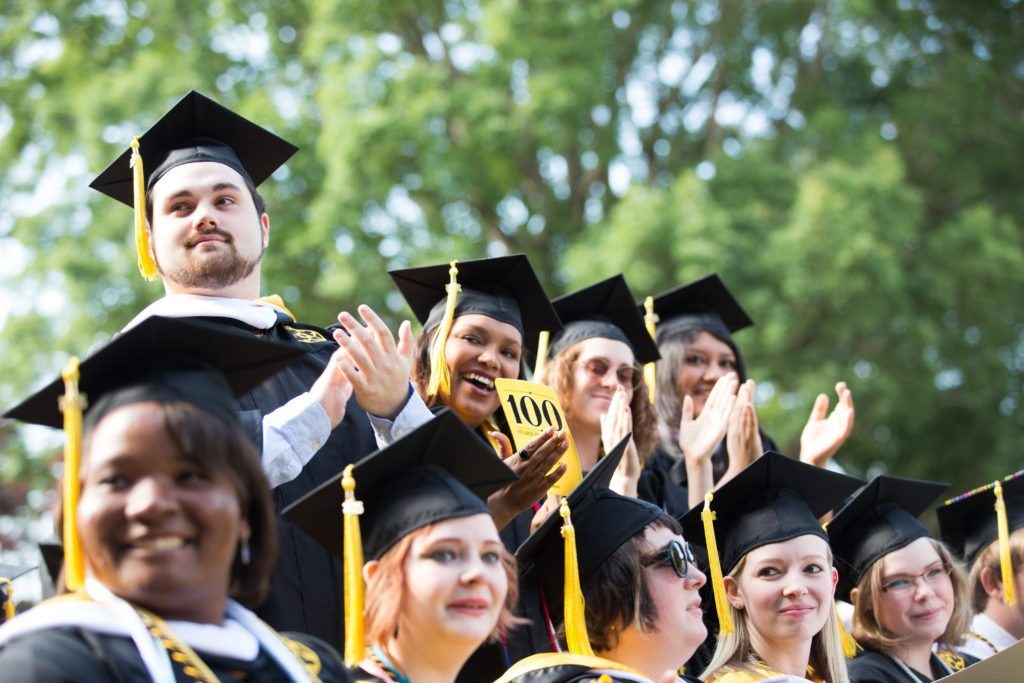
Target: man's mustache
(215, 232)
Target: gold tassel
(9, 600)
(1005, 561)
(352, 571)
(72, 404)
(440, 377)
(707, 516)
(542, 353)
(146, 264)
(576, 636)
(650, 320)
(850, 645)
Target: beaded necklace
(911, 675)
(378, 657)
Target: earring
(244, 553)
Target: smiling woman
(173, 529)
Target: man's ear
(992, 582)
(370, 570)
(265, 226)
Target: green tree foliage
(847, 166)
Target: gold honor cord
(440, 383)
(1005, 561)
(576, 636)
(650, 320)
(72, 403)
(146, 264)
(707, 516)
(353, 571)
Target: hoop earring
(244, 553)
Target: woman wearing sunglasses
(910, 599)
(594, 366)
(636, 577)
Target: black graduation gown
(306, 587)
(567, 668)
(75, 655)
(663, 478)
(875, 667)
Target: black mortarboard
(603, 520)
(53, 558)
(880, 519)
(968, 523)
(707, 300)
(505, 288)
(442, 470)
(604, 309)
(774, 499)
(197, 129)
(165, 359)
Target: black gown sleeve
(66, 655)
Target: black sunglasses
(676, 555)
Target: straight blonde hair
(733, 650)
(869, 632)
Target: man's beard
(211, 271)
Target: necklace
(378, 657)
(983, 640)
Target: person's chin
(474, 409)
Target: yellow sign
(530, 408)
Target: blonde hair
(558, 374)
(872, 635)
(385, 591)
(989, 559)
(732, 650)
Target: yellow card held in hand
(530, 408)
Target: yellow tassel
(850, 645)
(440, 377)
(9, 600)
(353, 571)
(650, 320)
(72, 404)
(707, 516)
(1005, 562)
(146, 264)
(542, 353)
(576, 636)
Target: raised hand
(699, 436)
(377, 367)
(615, 424)
(743, 440)
(534, 465)
(822, 436)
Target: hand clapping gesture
(699, 436)
(615, 424)
(533, 463)
(374, 364)
(822, 436)
(743, 440)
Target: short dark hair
(618, 595)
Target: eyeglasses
(676, 555)
(901, 585)
(627, 375)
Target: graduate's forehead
(196, 177)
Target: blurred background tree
(848, 166)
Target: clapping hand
(822, 436)
(616, 423)
(377, 368)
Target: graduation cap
(707, 300)
(973, 520)
(774, 499)
(442, 470)
(195, 129)
(604, 309)
(8, 573)
(564, 553)
(161, 359)
(165, 359)
(505, 288)
(880, 519)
